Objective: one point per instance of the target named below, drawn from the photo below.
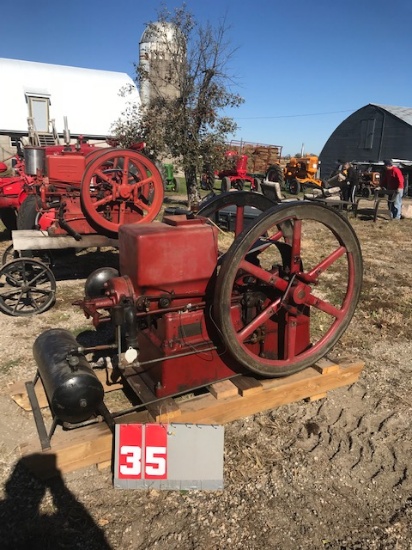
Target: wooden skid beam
(31, 239)
(94, 444)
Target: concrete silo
(161, 54)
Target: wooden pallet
(224, 402)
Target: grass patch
(9, 365)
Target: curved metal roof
(404, 113)
(88, 97)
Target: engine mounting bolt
(83, 403)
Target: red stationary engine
(186, 314)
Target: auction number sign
(142, 451)
(171, 456)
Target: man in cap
(393, 181)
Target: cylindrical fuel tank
(72, 388)
(34, 159)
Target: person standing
(346, 179)
(393, 181)
(350, 184)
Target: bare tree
(183, 117)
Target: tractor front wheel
(294, 187)
(225, 184)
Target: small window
(39, 112)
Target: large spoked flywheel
(288, 287)
(121, 186)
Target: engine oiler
(185, 315)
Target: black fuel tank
(72, 388)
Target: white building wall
(88, 98)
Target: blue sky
(302, 67)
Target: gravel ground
(332, 474)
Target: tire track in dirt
(366, 440)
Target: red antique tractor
(236, 176)
(77, 191)
(185, 312)
(81, 190)
(247, 163)
(12, 192)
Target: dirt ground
(333, 474)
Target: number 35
(155, 460)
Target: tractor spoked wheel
(27, 287)
(287, 288)
(9, 254)
(42, 255)
(238, 206)
(121, 186)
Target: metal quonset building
(372, 133)
(89, 98)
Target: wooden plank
(325, 366)
(93, 444)
(39, 240)
(223, 390)
(167, 412)
(18, 393)
(247, 385)
(205, 409)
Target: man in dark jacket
(350, 183)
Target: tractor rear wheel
(281, 301)
(28, 212)
(121, 186)
(9, 218)
(275, 173)
(366, 192)
(27, 217)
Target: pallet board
(223, 402)
(31, 239)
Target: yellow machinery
(301, 172)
